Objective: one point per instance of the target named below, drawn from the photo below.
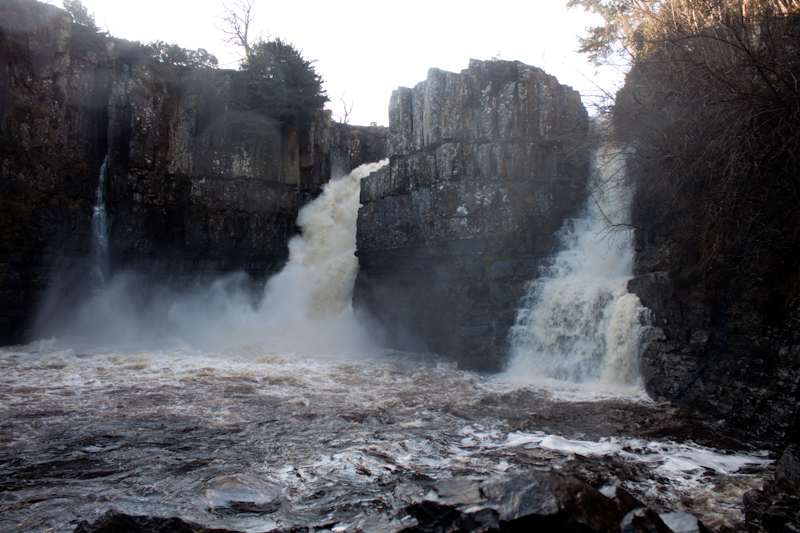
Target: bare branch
(237, 24)
(346, 110)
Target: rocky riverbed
(252, 440)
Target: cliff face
(187, 191)
(485, 165)
(719, 350)
(717, 247)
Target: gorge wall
(728, 350)
(189, 191)
(717, 244)
(485, 165)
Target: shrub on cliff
(711, 107)
(172, 54)
(85, 35)
(279, 83)
(80, 15)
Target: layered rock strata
(485, 166)
(714, 352)
(192, 187)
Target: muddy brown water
(325, 440)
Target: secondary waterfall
(100, 231)
(578, 322)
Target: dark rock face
(485, 165)
(775, 508)
(187, 192)
(714, 353)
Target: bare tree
(346, 110)
(237, 24)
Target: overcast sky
(366, 49)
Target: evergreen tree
(80, 15)
(281, 84)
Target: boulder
(529, 501)
(776, 508)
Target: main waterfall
(578, 322)
(310, 300)
(307, 306)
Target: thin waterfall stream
(284, 412)
(100, 230)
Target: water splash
(100, 231)
(578, 322)
(314, 292)
(307, 307)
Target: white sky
(366, 49)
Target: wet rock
(113, 522)
(643, 521)
(485, 166)
(242, 494)
(681, 522)
(776, 508)
(535, 501)
(787, 471)
(624, 500)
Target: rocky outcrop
(192, 187)
(775, 507)
(485, 165)
(713, 350)
(534, 501)
(521, 501)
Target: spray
(578, 322)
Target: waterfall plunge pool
(325, 439)
(285, 413)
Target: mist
(307, 307)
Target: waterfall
(578, 322)
(309, 303)
(100, 231)
(307, 306)
(317, 282)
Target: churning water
(578, 322)
(258, 415)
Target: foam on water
(578, 322)
(328, 432)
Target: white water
(168, 432)
(578, 322)
(314, 292)
(305, 308)
(235, 403)
(100, 230)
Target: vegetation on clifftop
(280, 83)
(711, 108)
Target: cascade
(578, 322)
(100, 231)
(317, 282)
(307, 306)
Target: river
(283, 412)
